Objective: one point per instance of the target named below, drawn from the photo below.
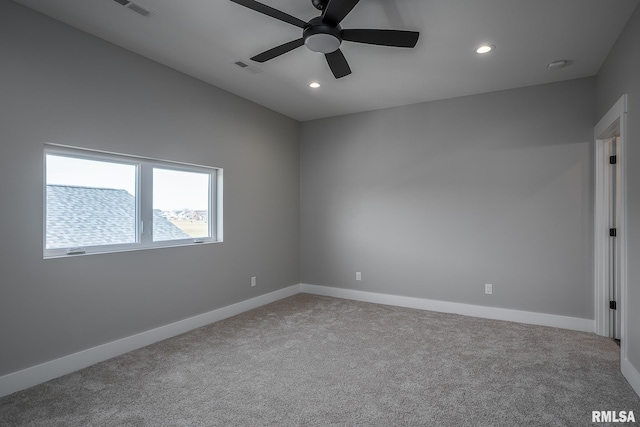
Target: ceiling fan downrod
(320, 4)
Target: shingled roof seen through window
(87, 216)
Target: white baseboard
(631, 374)
(542, 319)
(34, 375)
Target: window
(101, 202)
(182, 198)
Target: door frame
(612, 123)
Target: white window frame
(143, 200)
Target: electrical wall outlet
(488, 288)
(253, 281)
(358, 276)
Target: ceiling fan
(323, 33)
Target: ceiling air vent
(135, 7)
(138, 9)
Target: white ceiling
(204, 38)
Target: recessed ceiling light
(485, 48)
(314, 85)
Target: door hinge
(612, 305)
(613, 232)
(613, 160)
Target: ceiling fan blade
(278, 50)
(338, 64)
(269, 11)
(337, 10)
(396, 38)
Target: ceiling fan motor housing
(320, 37)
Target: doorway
(613, 200)
(610, 225)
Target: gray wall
(434, 200)
(60, 85)
(620, 74)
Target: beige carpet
(315, 361)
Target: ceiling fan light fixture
(322, 43)
(485, 48)
(323, 34)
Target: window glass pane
(89, 202)
(180, 204)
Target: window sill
(61, 253)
